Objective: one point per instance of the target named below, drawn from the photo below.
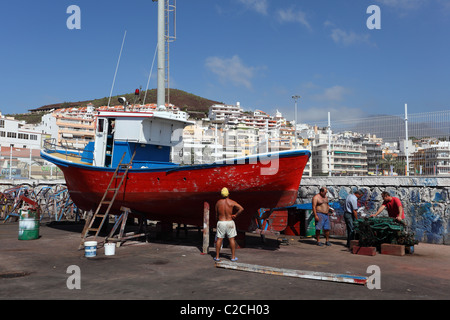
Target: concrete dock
(175, 269)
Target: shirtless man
(225, 223)
(321, 211)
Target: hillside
(196, 106)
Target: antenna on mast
(170, 11)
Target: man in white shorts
(225, 223)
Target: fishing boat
(158, 188)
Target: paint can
(110, 249)
(28, 225)
(90, 249)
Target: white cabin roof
(180, 116)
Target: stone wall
(425, 200)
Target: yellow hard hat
(224, 192)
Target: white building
(432, 159)
(48, 126)
(200, 144)
(20, 146)
(15, 133)
(347, 157)
(225, 113)
(233, 115)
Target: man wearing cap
(225, 223)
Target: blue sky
(257, 52)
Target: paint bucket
(28, 225)
(110, 249)
(90, 249)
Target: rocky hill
(196, 106)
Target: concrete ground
(176, 270)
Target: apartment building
(15, 133)
(233, 115)
(205, 143)
(75, 125)
(280, 120)
(374, 156)
(48, 126)
(225, 113)
(259, 119)
(347, 157)
(200, 145)
(432, 159)
(20, 146)
(241, 141)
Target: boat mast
(161, 103)
(166, 13)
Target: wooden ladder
(88, 227)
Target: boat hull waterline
(178, 194)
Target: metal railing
(409, 144)
(68, 151)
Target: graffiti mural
(426, 202)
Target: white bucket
(90, 249)
(110, 249)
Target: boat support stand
(122, 220)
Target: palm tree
(388, 161)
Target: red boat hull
(178, 195)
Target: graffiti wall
(426, 201)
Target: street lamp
(295, 128)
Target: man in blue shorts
(321, 210)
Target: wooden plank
(334, 277)
(205, 228)
(122, 237)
